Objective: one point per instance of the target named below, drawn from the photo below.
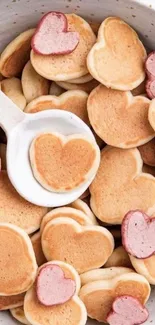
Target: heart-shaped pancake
(118, 118)
(51, 279)
(74, 101)
(72, 312)
(117, 59)
(52, 35)
(60, 163)
(121, 186)
(89, 246)
(98, 296)
(67, 66)
(127, 310)
(138, 234)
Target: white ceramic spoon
(20, 129)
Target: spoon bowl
(21, 128)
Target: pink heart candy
(138, 234)
(52, 286)
(52, 36)
(127, 310)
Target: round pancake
(16, 54)
(73, 160)
(70, 313)
(7, 302)
(81, 80)
(119, 257)
(69, 66)
(3, 155)
(74, 101)
(18, 265)
(33, 84)
(82, 206)
(18, 313)
(36, 243)
(117, 46)
(14, 209)
(147, 152)
(87, 87)
(118, 118)
(13, 89)
(55, 90)
(103, 274)
(67, 212)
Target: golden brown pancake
(14, 209)
(74, 101)
(72, 312)
(36, 243)
(3, 155)
(87, 87)
(73, 160)
(118, 118)
(121, 186)
(84, 247)
(55, 90)
(33, 84)
(119, 257)
(147, 152)
(69, 66)
(7, 302)
(117, 46)
(16, 54)
(98, 296)
(13, 89)
(145, 267)
(18, 313)
(18, 265)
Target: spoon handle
(10, 114)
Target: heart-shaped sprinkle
(127, 311)
(150, 70)
(52, 286)
(52, 35)
(138, 234)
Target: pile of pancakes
(102, 81)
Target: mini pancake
(55, 90)
(33, 84)
(74, 101)
(103, 274)
(66, 212)
(120, 177)
(16, 54)
(118, 118)
(145, 267)
(114, 49)
(139, 90)
(147, 152)
(3, 155)
(13, 89)
(119, 257)
(87, 87)
(18, 313)
(89, 246)
(67, 66)
(72, 312)
(7, 302)
(14, 209)
(82, 206)
(98, 296)
(81, 80)
(18, 265)
(36, 243)
(73, 160)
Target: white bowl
(19, 15)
